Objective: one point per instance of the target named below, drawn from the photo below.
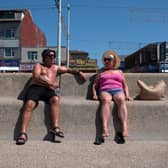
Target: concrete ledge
(71, 86)
(80, 119)
(15, 84)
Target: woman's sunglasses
(107, 59)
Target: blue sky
(96, 26)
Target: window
(32, 55)
(9, 33)
(6, 15)
(9, 52)
(153, 53)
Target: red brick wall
(31, 35)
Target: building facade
(80, 60)
(151, 58)
(17, 31)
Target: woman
(110, 84)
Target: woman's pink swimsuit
(111, 82)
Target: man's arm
(41, 79)
(63, 69)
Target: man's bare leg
(55, 111)
(29, 107)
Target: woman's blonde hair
(113, 55)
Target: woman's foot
(22, 138)
(125, 131)
(105, 132)
(119, 138)
(99, 141)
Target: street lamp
(58, 5)
(68, 34)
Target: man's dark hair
(46, 52)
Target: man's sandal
(22, 138)
(57, 132)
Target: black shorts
(36, 93)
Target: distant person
(110, 84)
(45, 87)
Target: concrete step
(14, 84)
(80, 119)
(72, 86)
(83, 154)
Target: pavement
(84, 154)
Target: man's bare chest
(48, 71)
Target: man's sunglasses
(51, 55)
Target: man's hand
(82, 75)
(44, 78)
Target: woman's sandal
(57, 132)
(22, 138)
(119, 138)
(99, 141)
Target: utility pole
(68, 35)
(58, 5)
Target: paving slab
(84, 154)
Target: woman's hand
(95, 97)
(128, 98)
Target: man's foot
(22, 138)
(57, 132)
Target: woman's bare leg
(105, 112)
(122, 112)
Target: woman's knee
(105, 100)
(120, 99)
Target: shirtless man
(44, 86)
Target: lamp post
(58, 5)
(68, 34)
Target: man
(45, 87)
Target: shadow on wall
(89, 94)
(22, 94)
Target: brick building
(17, 32)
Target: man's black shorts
(36, 93)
